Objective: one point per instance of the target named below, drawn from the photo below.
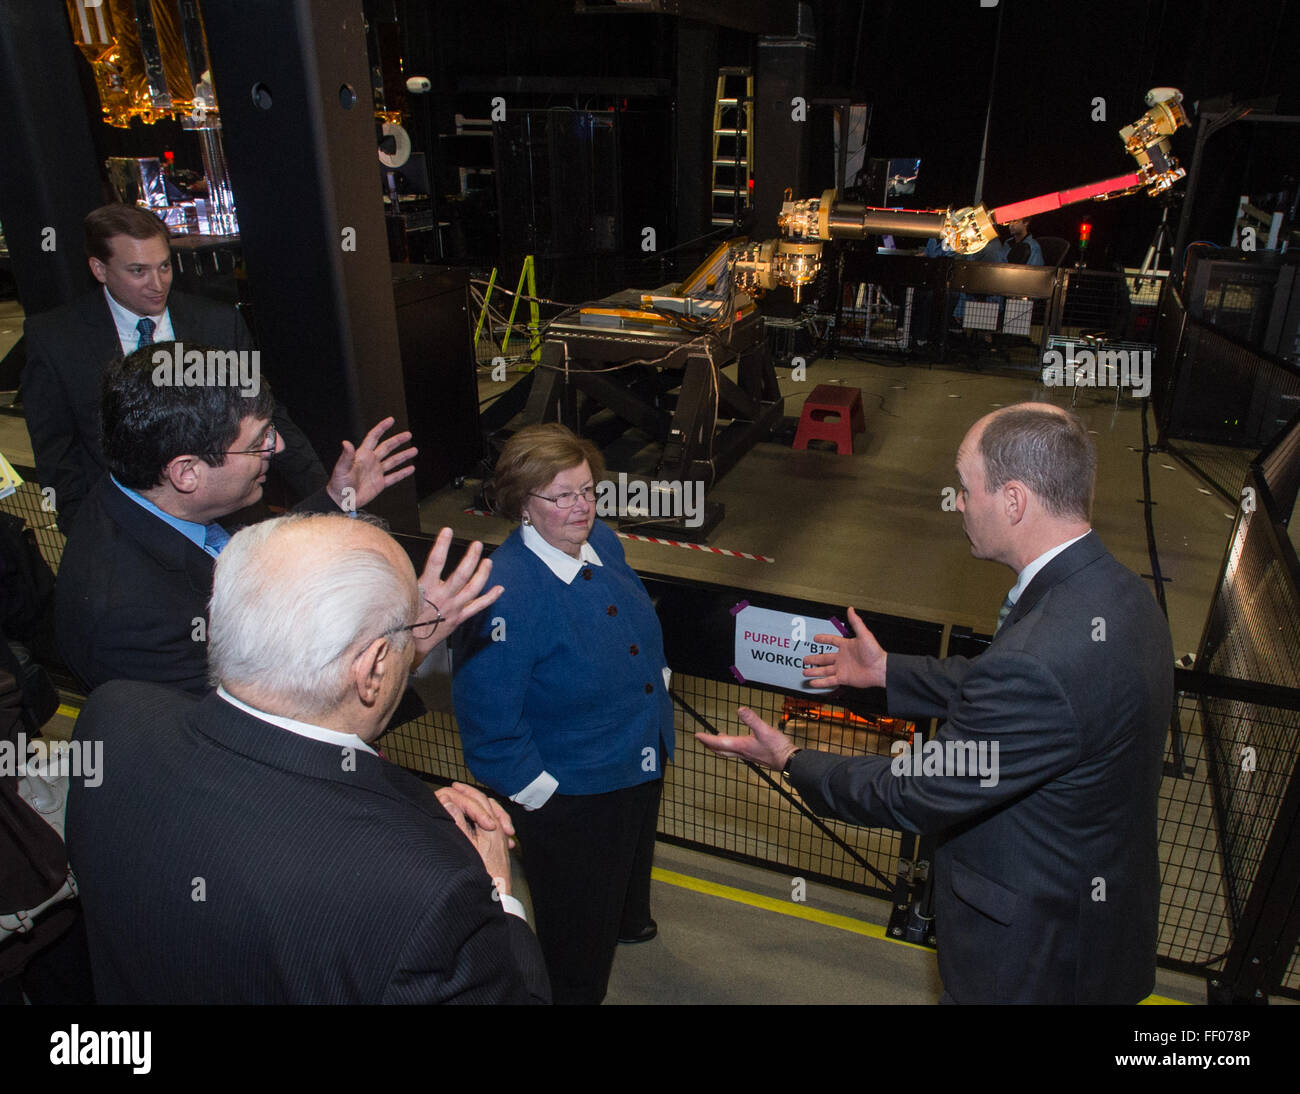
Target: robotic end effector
(1147, 139)
(967, 231)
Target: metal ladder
(733, 148)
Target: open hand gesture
(452, 600)
(858, 662)
(367, 471)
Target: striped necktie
(1004, 611)
(146, 328)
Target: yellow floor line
(812, 915)
(784, 907)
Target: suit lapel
(158, 539)
(1066, 564)
(182, 317)
(100, 320)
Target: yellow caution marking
(812, 915)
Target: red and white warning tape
(696, 547)
(667, 542)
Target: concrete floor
(869, 529)
(731, 934)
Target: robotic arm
(795, 258)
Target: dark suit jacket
(131, 599)
(67, 349)
(1046, 885)
(226, 860)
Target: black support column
(50, 180)
(697, 74)
(781, 138)
(293, 87)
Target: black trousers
(587, 859)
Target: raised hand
(370, 469)
(456, 598)
(858, 662)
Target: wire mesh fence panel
(429, 745)
(1221, 466)
(1280, 467)
(36, 508)
(1194, 923)
(1097, 302)
(724, 805)
(1219, 401)
(718, 804)
(1253, 629)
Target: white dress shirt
(126, 322)
(1031, 570)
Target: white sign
(771, 646)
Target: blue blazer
(564, 678)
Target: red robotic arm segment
(795, 258)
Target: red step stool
(845, 404)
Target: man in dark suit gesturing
(1049, 758)
(131, 599)
(67, 349)
(253, 847)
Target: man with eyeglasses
(132, 592)
(289, 862)
(129, 252)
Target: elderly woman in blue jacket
(561, 694)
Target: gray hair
(1049, 451)
(283, 631)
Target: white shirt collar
(303, 729)
(128, 334)
(1031, 571)
(563, 566)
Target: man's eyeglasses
(569, 498)
(422, 630)
(425, 628)
(266, 448)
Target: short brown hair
(1049, 451)
(532, 458)
(107, 221)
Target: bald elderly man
(254, 847)
(1044, 796)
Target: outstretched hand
(768, 746)
(363, 473)
(858, 662)
(456, 598)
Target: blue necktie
(1003, 612)
(146, 328)
(215, 538)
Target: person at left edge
(252, 846)
(129, 252)
(132, 594)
